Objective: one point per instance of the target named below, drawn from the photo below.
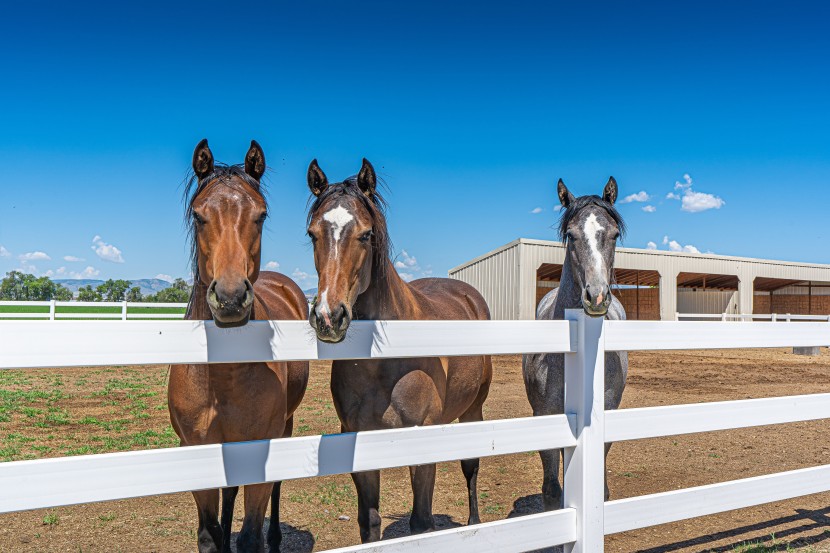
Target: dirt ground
(49, 413)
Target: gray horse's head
(590, 226)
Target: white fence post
(124, 310)
(584, 473)
(51, 310)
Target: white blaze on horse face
(338, 217)
(592, 229)
(323, 309)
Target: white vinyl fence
(583, 430)
(123, 310)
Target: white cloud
(694, 202)
(61, 271)
(272, 266)
(557, 207)
(105, 251)
(303, 278)
(675, 246)
(649, 208)
(409, 269)
(72, 258)
(164, 277)
(691, 201)
(640, 196)
(408, 277)
(536, 210)
(34, 256)
(665, 240)
(4, 252)
(651, 246)
(89, 272)
(687, 182)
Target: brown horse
(234, 402)
(347, 226)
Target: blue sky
(469, 111)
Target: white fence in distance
(582, 431)
(127, 310)
(772, 317)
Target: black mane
(222, 175)
(375, 204)
(584, 201)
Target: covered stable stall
(652, 284)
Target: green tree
(113, 290)
(87, 293)
(134, 294)
(178, 292)
(62, 293)
(18, 286)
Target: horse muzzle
(596, 304)
(330, 325)
(230, 305)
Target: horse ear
(565, 196)
(255, 161)
(366, 178)
(317, 181)
(202, 159)
(610, 192)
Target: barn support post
(746, 291)
(668, 295)
(584, 470)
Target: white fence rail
(127, 310)
(773, 317)
(583, 431)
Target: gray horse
(589, 226)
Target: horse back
(449, 299)
(282, 298)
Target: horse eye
(198, 219)
(312, 237)
(366, 236)
(261, 219)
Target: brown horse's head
(348, 230)
(227, 211)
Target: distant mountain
(147, 285)
(310, 293)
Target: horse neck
(569, 295)
(388, 297)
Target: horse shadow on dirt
(529, 505)
(400, 528)
(771, 538)
(294, 540)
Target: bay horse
(589, 226)
(347, 227)
(232, 402)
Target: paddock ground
(49, 413)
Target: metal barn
(652, 284)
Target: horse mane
(584, 201)
(376, 205)
(222, 174)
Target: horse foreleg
(368, 503)
(274, 531)
(470, 466)
(551, 490)
(210, 531)
(228, 500)
(423, 485)
(250, 538)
